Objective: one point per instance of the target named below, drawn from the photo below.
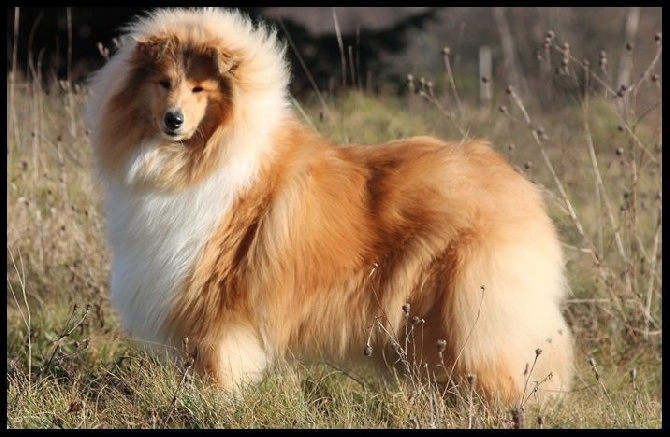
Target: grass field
(597, 154)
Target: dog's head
(187, 86)
(188, 90)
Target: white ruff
(156, 237)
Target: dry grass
(69, 364)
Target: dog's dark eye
(165, 84)
(197, 89)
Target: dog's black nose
(174, 119)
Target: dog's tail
(504, 322)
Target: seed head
(416, 320)
(405, 308)
(410, 83)
(368, 350)
(602, 60)
(441, 345)
(622, 91)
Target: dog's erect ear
(153, 48)
(224, 62)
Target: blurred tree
(375, 50)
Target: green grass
(69, 364)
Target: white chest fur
(156, 239)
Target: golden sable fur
(237, 227)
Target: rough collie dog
(236, 226)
